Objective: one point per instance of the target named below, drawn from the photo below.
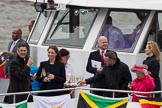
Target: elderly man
(97, 56)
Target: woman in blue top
(51, 73)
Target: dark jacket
(154, 67)
(19, 79)
(57, 82)
(96, 57)
(114, 77)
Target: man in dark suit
(13, 45)
(19, 75)
(115, 74)
(97, 57)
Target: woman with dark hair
(64, 57)
(51, 73)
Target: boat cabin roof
(122, 4)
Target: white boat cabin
(77, 24)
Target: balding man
(13, 45)
(96, 61)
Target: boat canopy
(122, 4)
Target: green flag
(22, 104)
(88, 100)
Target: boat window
(155, 31)
(159, 33)
(123, 28)
(39, 27)
(71, 29)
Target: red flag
(150, 102)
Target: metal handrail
(78, 88)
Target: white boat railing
(79, 88)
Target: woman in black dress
(51, 73)
(153, 63)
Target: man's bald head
(16, 34)
(101, 38)
(102, 42)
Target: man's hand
(10, 54)
(81, 82)
(99, 69)
(30, 61)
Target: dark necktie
(102, 56)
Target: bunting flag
(3, 57)
(62, 101)
(22, 104)
(88, 100)
(151, 102)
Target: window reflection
(159, 32)
(40, 25)
(125, 29)
(72, 28)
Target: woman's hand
(33, 77)
(145, 72)
(130, 85)
(51, 76)
(46, 79)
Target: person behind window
(144, 82)
(152, 32)
(51, 73)
(114, 35)
(30, 25)
(153, 62)
(131, 39)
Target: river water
(14, 13)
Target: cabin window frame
(71, 44)
(131, 49)
(39, 28)
(159, 29)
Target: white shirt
(13, 45)
(69, 72)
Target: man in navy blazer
(13, 45)
(96, 57)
